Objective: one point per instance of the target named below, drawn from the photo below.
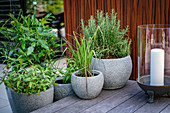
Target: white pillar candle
(157, 67)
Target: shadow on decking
(126, 100)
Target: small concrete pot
(62, 90)
(22, 103)
(116, 72)
(93, 88)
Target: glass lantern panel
(151, 37)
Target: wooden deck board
(114, 100)
(166, 110)
(58, 105)
(84, 104)
(131, 105)
(129, 99)
(156, 107)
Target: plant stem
(86, 74)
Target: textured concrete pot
(116, 72)
(94, 85)
(62, 90)
(25, 104)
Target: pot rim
(51, 86)
(74, 74)
(114, 59)
(60, 83)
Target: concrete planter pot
(94, 85)
(22, 103)
(116, 71)
(62, 90)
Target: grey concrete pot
(94, 85)
(116, 71)
(25, 104)
(62, 90)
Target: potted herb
(63, 87)
(112, 49)
(29, 70)
(86, 83)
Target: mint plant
(30, 80)
(29, 67)
(32, 39)
(71, 68)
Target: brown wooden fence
(130, 12)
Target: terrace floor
(4, 103)
(130, 99)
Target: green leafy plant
(110, 41)
(29, 80)
(52, 6)
(71, 68)
(29, 68)
(55, 6)
(31, 39)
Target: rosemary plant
(110, 41)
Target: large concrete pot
(93, 88)
(62, 90)
(116, 71)
(22, 103)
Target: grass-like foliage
(110, 41)
(27, 55)
(82, 54)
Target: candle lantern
(154, 60)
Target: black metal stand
(151, 96)
(154, 91)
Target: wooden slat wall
(130, 12)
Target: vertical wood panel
(73, 16)
(113, 5)
(93, 2)
(118, 4)
(122, 12)
(67, 21)
(130, 12)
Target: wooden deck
(130, 99)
